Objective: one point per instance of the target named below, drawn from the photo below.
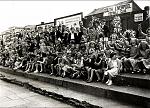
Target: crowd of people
(78, 52)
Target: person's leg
(124, 62)
(129, 66)
(19, 66)
(91, 75)
(64, 74)
(110, 80)
(146, 65)
(32, 67)
(97, 74)
(59, 70)
(136, 67)
(78, 73)
(73, 73)
(36, 66)
(41, 67)
(84, 73)
(142, 67)
(52, 69)
(133, 63)
(22, 64)
(67, 71)
(30, 64)
(148, 69)
(105, 74)
(88, 73)
(27, 68)
(15, 66)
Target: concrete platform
(98, 101)
(17, 97)
(128, 94)
(137, 80)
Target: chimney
(42, 23)
(146, 9)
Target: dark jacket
(59, 34)
(106, 30)
(52, 35)
(78, 38)
(65, 38)
(75, 37)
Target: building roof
(102, 10)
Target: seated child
(77, 67)
(145, 66)
(92, 66)
(17, 63)
(114, 66)
(67, 61)
(129, 63)
(30, 63)
(55, 63)
(86, 64)
(41, 63)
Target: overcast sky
(21, 13)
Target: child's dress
(112, 68)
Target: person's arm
(78, 65)
(108, 60)
(81, 63)
(44, 60)
(146, 54)
(117, 47)
(126, 43)
(140, 31)
(98, 63)
(119, 65)
(110, 47)
(61, 62)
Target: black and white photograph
(75, 54)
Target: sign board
(138, 17)
(46, 25)
(69, 21)
(30, 27)
(118, 9)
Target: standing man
(72, 35)
(105, 29)
(81, 25)
(79, 35)
(59, 33)
(105, 33)
(53, 35)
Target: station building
(129, 12)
